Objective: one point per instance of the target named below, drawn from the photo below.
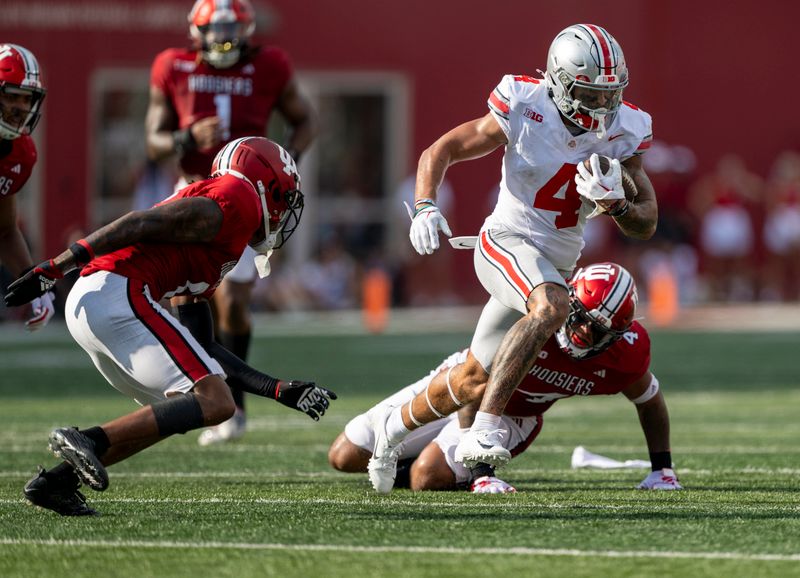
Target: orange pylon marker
(663, 296)
(376, 299)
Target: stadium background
(387, 79)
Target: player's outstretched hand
(33, 283)
(425, 227)
(305, 396)
(665, 479)
(492, 485)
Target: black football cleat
(64, 499)
(78, 451)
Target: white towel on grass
(583, 458)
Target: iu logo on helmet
(289, 166)
(602, 272)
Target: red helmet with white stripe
(21, 91)
(602, 305)
(586, 57)
(272, 173)
(221, 29)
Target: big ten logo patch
(533, 115)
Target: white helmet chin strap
(264, 248)
(262, 264)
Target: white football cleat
(229, 430)
(491, 485)
(484, 446)
(665, 479)
(382, 466)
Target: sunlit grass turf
(270, 506)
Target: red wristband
(86, 246)
(82, 252)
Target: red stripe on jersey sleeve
(499, 104)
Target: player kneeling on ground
(181, 247)
(600, 350)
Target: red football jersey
(242, 96)
(556, 375)
(16, 167)
(171, 269)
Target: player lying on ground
(600, 350)
(181, 247)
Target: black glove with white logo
(305, 396)
(33, 283)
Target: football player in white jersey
(531, 242)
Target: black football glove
(305, 396)
(33, 283)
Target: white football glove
(491, 485)
(593, 186)
(425, 227)
(42, 311)
(665, 479)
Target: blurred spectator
(283, 290)
(782, 230)
(671, 168)
(671, 251)
(725, 205)
(330, 281)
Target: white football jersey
(538, 196)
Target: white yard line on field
(330, 474)
(436, 502)
(158, 544)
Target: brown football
(627, 180)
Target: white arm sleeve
(649, 393)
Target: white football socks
(485, 421)
(395, 428)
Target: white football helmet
(586, 56)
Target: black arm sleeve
(196, 317)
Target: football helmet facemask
(585, 56)
(21, 91)
(602, 304)
(272, 173)
(221, 29)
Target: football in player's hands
(627, 180)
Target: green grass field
(269, 505)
